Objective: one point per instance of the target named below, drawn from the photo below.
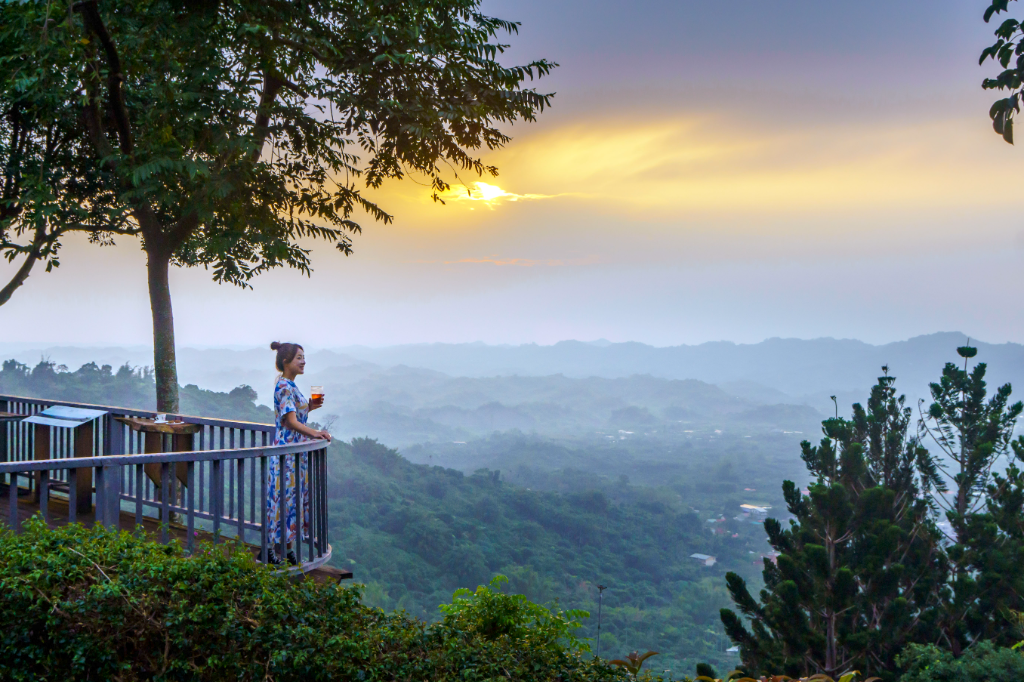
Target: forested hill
(125, 387)
(414, 533)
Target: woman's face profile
(298, 363)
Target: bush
(982, 662)
(489, 613)
(82, 604)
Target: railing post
(12, 511)
(114, 437)
(300, 517)
(166, 491)
(108, 496)
(324, 540)
(191, 514)
(311, 482)
(4, 455)
(44, 494)
(263, 505)
(216, 497)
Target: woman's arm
(291, 422)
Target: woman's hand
(323, 434)
(315, 404)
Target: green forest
(557, 517)
(414, 533)
(892, 544)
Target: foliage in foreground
(985, 661)
(737, 676)
(84, 604)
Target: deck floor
(58, 517)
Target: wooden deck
(57, 507)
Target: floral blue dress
(287, 398)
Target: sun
(487, 192)
(490, 195)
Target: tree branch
(271, 86)
(35, 252)
(115, 97)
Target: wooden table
(181, 441)
(11, 417)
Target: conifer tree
(860, 567)
(983, 508)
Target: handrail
(104, 472)
(132, 412)
(161, 457)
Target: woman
(291, 410)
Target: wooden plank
(151, 426)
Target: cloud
(489, 194)
(701, 164)
(517, 262)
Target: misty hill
(404, 405)
(775, 371)
(793, 367)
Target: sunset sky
(710, 170)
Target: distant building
(770, 556)
(704, 559)
(756, 512)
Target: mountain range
(774, 371)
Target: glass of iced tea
(317, 394)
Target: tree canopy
(1008, 51)
(222, 134)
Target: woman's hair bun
(274, 345)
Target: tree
(859, 569)
(1008, 50)
(983, 508)
(221, 134)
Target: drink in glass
(317, 394)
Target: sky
(709, 171)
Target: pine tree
(860, 567)
(983, 508)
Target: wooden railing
(220, 486)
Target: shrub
(81, 604)
(984, 661)
(493, 615)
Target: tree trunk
(164, 362)
(830, 625)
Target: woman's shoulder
(284, 385)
